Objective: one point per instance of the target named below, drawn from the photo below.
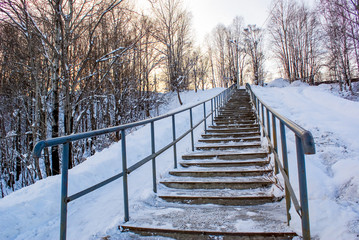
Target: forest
(70, 66)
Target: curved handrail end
(38, 148)
(308, 143)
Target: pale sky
(207, 14)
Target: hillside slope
(332, 173)
(34, 211)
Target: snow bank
(33, 212)
(332, 173)
(279, 82)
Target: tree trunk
(179, 97)
(55, 89)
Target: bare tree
(89, 62)
(240, 53)
(173, 27)
(221, 43)
(296, 40)
(341, 27)
(253, 38)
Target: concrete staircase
(227, 179)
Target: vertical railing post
(64, 190)
(124, 170)
(216, 106)
(174, 139)
(268, 124)
(258, 111)
(205, 117)
(275, 142)
(262, 106)
(191, 121)
(212, 110)
(303, 188)
(286, 167)
(154, 181)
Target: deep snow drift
(333, 182)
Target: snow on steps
(202, 234)
(225, 181)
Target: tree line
(316, 44)
(79, 65)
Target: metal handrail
(304, 145)
(216, 102)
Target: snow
(332, 173)
(279, 82)
(33, 212)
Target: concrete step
(237, 117)
(233, 130)
(233, 121)
(231, 163)
(217, 183)
(221, 173)
(233, 126)
(236, 111)
(233, 135)
(226, 155)
(229, 146)
(220, 200)
(248, 110)
(187, 234)
(230, 139)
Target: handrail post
(268, 125)
(262, 106)
(286, 168)
(191, 122)
(154, 181)
(303, 188)
(205, 117)
(275, 143)
(215, 106)
(64, 190)
(258, 110)
(212, 110)
(174, 139)
(124, 170)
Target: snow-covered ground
(333, 173)
(33, 212)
